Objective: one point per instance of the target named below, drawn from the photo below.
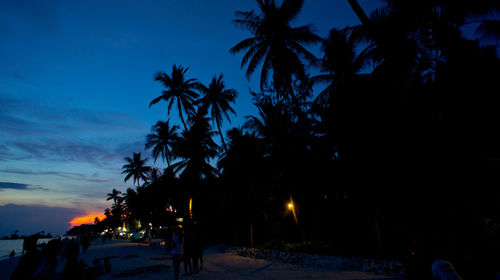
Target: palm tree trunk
(379, 240)
(359, 12)
(251, 235)
(221, 136)
(180, 113)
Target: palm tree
(195, 148)
(178, 89)
(136, 168)
(277, 45)
(359, 12)
(217, 99)
(154, 175)
(456, 13)
(340, 62)
(161, 139)
(115, 195)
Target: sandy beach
(140, 261)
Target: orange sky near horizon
(88, 219)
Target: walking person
(197, 249)
(188, 251)
(48, 266)
(85, 243)
(177, 245)
(30, 261)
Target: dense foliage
(400, 145)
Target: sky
(76, 82)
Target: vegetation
(15, 235)
(369, 164)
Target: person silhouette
(177, 246)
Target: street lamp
(291, 207)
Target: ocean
(6, 246)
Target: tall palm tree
(161, 139)
(178, 89)
(360, 13)
(115, 195)
(153, 176)
(277, 45)
(217, 99)
(195, 148)
(136, 168)
(340, 62)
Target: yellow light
(190, 207)
(290, 206)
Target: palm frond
(266, 66)
(247, 20)
(489, 29)
(291, 8)
(305, 34)
(323, 79)
(156, 100)
(302, 52)
(256, 59)
(245, 44)
(251, 53)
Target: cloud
(29, 219)
(28, 118)
(34, 131)
(69, 150)
(18, 186)
(94, 178)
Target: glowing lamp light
(191, 208)
(290, 206)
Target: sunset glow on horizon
(89, 219)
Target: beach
(141, 261)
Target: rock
(323, 262)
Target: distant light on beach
(89, 219)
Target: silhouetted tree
(161, 139)
(216, 98)
(178, 89)
(136, 167)
(195, 148)
(277, 45)
(115, 195)
(340, 66)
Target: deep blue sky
(76, 81)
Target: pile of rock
(324, 262)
